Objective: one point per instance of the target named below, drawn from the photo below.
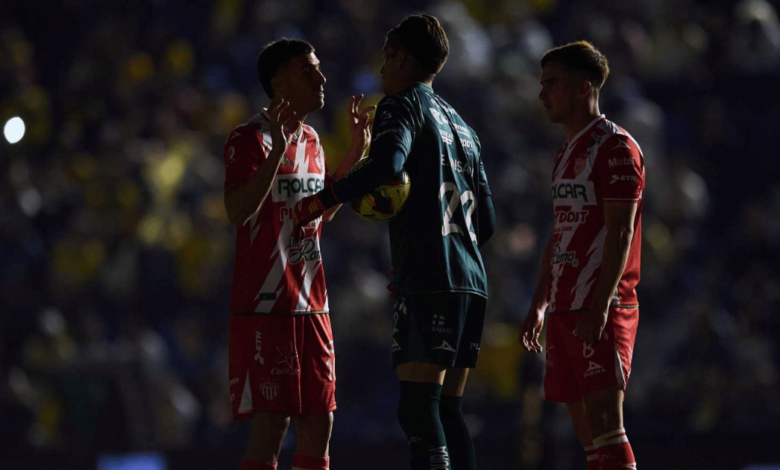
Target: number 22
(448, 226)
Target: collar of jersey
(421, 85)
(586, 128)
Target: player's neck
(580, 121)
(295, 125)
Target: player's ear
(278, 86)
(585, 87)
(403, 57)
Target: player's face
(391, 69)
(302, 84)
(559, 92)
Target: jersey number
(448, 226)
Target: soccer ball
(386, 201)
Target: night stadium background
(116, 255)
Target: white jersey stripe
(586, 279)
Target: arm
(243, 200)
(360, 130)
(619, 221)
(531, 326)
(622, 186)
(392, 141)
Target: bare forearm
(349, 160)
(539, 301)
(243, 201)
(616, 247)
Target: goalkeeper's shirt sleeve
(395, 127)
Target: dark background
(116, 256)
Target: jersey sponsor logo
(269, 390)
(438, 116)
(466, 144)
(446, 137)
(593, 369)
(475, 347)
(287, 162)
(461, 129)
(287, 358)
(259, 348)
(307, 250)
(617, 178)
(620, 161)
(571, 217)
(437, 324)
(387, 132)
(574, 192)
(566, 257)
(294, 187)
(233, 381)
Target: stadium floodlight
(14, 130)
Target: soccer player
(281, 346)
(439, 279)
(590, 267)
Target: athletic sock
(614, 451)
(418, 414)
(459, 442)
(247, 464)
(306, 462)
(592, 453)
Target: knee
(315, 428)
(271, 424)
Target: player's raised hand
(360, 124)
(278, 116)
(591, 324)
(530, 329)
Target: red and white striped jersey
(603, 163)
(273, 274)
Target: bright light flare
(14, 130)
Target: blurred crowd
(116, 255)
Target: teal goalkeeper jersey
(435, 238)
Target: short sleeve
(243, 155)
(622, 170)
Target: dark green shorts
(444, 329)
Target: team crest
(270, 390)
(579, 165)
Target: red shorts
(281, 364)
(575, 369)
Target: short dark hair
(580, 58)
(424, 38)
(275, 56)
